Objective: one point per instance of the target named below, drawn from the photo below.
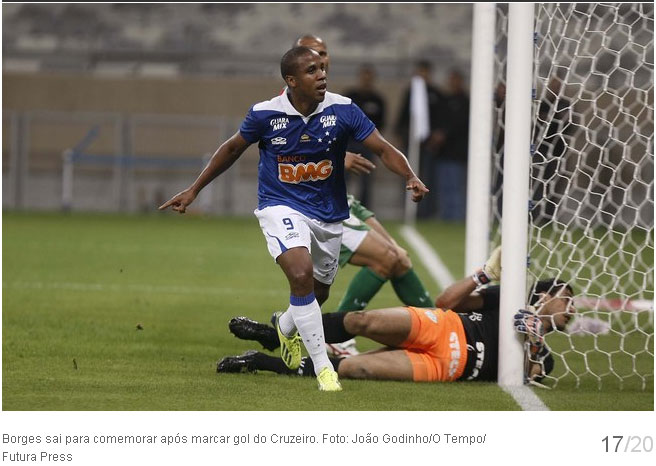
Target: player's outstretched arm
(460, 296)
(222, 159)
(395, 161)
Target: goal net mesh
(591, 207)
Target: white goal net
(591, 208)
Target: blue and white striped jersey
(302, 158)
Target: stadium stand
(198, 38)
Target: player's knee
(358, 322)
(300, 278)
(351, 368)
(386, 263)
(403, 263)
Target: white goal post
(516, 166)
(585, 206)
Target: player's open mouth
(322, 88)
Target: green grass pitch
(108, 312)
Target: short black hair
(289, 61)
(303, 37)
(550, 286)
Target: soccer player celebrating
(457, 340)
(302, 136)
(367, 244)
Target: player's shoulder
(335, 99)
(275, 104)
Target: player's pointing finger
(166, 204)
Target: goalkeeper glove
(538, 361)
(526, 321)
(491, 269)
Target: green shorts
(355, 229)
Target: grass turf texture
(77, 287)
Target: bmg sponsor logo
(311, 171)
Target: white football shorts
(285, 228)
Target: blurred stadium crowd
(228, 39)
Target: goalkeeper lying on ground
(458, 340)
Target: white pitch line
(522, 395)
(525, 398)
